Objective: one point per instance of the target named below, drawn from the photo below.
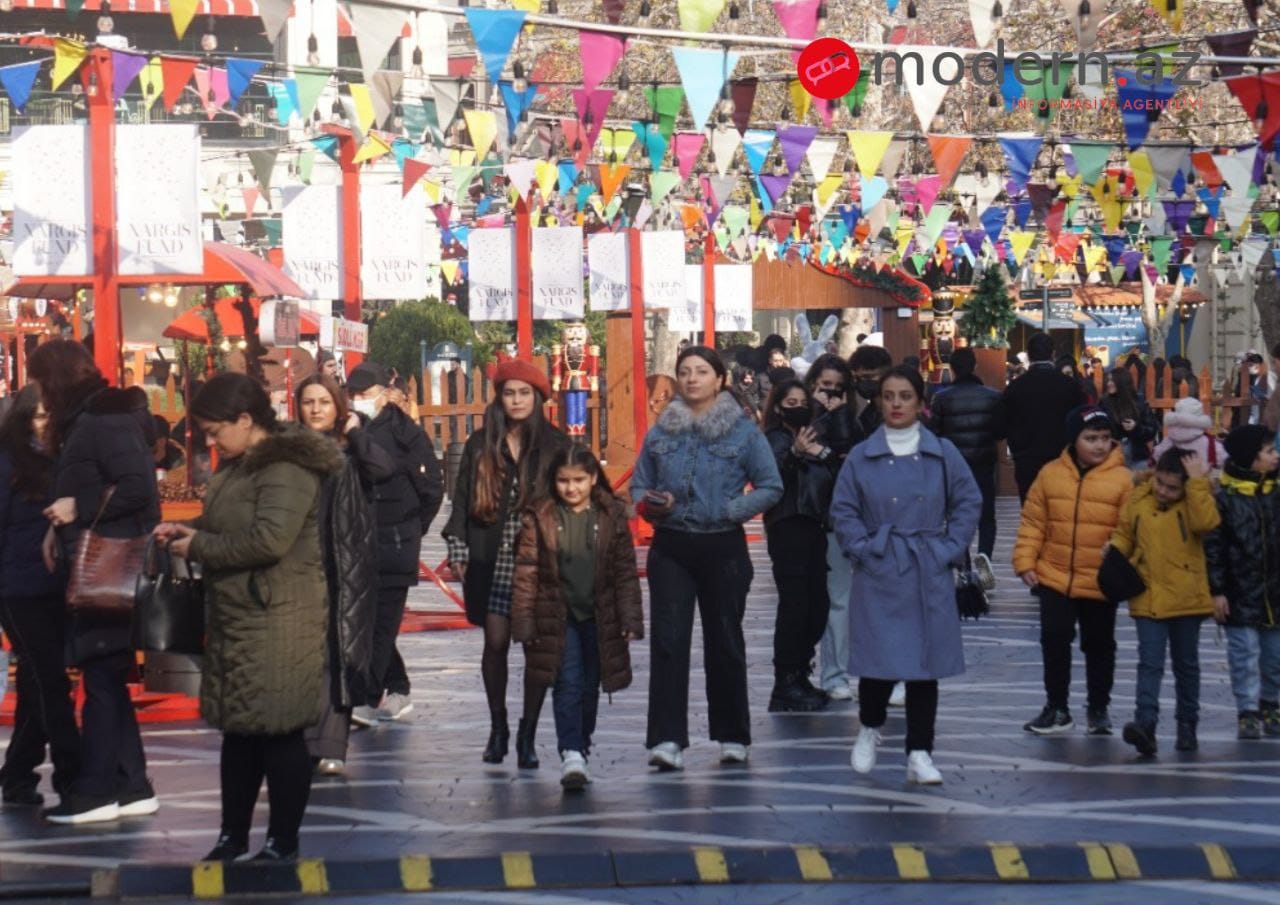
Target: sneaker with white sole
(920, 769)
(733, 753)
(573, 772)
(77, 809)
(986, 574)
(863, 757)
(364, 716)
(331, 766)
(666, 756)
(140, 803)
(395, 706)
(898, 698)
(840, 692)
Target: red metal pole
(351, 308)
(709, 290)
(107, 336)
(524, 280)
(639, 389)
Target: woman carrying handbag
(104, 479)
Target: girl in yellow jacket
(1161, 531)
(1067, 519)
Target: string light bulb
(6, 6)
(911, 9)
(734, 12)
(1084, 12)
(997, 11)
(822, 15)
(209, 40)
(553, 8)
(313, 50)
(519, 84)
(1260, 113)
(105, 23)
(646, 10)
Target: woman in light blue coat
(905, 508)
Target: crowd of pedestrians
(871, 488)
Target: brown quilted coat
(539, 609)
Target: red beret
(519, 369)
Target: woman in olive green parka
(259, 547)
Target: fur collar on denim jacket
(716, 422)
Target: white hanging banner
(51, 211)
(393, 244)
(312, 230)
(733, 297)
(607, 258)
(158, 199)
(557, 272)
(662, 257)
(491, 263)
(687, 316)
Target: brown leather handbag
(104, 570)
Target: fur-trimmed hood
(294, 443)
(716, 422)
(1187, 421)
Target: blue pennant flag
(483, 205)
(765, 201)
(403, 149)
(1115, 248)
(1134, 98)
(1212, 200)
(285, 106)
(585, 191)
(568, 176)
(328, 145)
(850, 214)
(1179, 183)
(239, 74)
(495, 31)
(1010, 88)
(703, 73)
(462, 233)
(757, 144)
(993, 223)
(516, 103)
(1188, 272)
(1022, 213)
(17, 80)
(1020, 156)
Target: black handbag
(971, 596)
(1118, 579)
(168, 614)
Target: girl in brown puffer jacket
(576, 600)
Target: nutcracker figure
(575, 365)
(935, 351)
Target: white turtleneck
(903, 441)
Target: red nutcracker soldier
(935, 352)
(575, 366)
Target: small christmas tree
(989, 314)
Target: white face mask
(366, 407)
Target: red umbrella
(193, 327)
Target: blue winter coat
(903, 525)
(22, 529)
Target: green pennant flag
(415, 120)
(891, 222)
(1133, 228)
(936, 220)
(612, 209)
(722, 237)
(1165, 52)
(918, 260)
(1196, 224)
(1223, 238)
(853, 100)
(73, 8)
(1042, 88)
(1160, 248)
(661, 182)
(274, 229)
(311, 84)
(1091, 158)
(665, 103)
(735, 218)
(489, 168)
(306, 162)
(1270, 220)
(1117, 274)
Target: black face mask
(867, 389)
(795, 417)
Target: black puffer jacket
(1036, 409)
(405, 503)
(807, 482)
(972, 417)
(1243, 553)
(840, 430)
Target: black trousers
(922, 709)
(1025, 470)
(386, 626)
(1097, 619)
(112, 761)
(715, 571)
(284, 762)
(986, 478)
(798, 550)
(397, 678)
(36, 627)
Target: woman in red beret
(503, 465)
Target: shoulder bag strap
(106, 498)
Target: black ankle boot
(526, 754)
(499, 737)
(1186, 737)
(228, 849)
(277, 850)
(792, 695)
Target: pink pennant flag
(597, 104)
(600, 53)
(799, 20)
(688, 145)
(927, 191)
(218, 83)
(250, 201)
(826, 110)
(491, 220)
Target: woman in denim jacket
(689, 481)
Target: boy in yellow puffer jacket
(1068, 517)
(1162, 531)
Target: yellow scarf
(1246, 488)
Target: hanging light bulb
(588, 118)
(1260, 114)
(155, 294)
(171, 296)
(518, 82)
(553, 8)
(313, 50)
(993, 99)
(1173, 6)
(997, 12)
(1084, 12)
(209, 40)
(983, 173)
(645, 9)
(624, 86)
(105, 22)
(337, 111)
(822, 15)
(6, 6)
(911, 9)
(397, 117)
(734, 12)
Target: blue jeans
(834, 652)
(576, 696)
(1182, 637)
(1254, 655)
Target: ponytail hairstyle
(492, 465)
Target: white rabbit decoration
(812, 347)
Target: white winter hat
(1188, 413)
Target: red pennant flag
(1249, 90)
(413, 171)
(805, 216)
(250, 201)
(1067, 244)
(948, 154)
(781, 227)
(575, 134)
(176, 72)
(1206, 169)
(1053, 220)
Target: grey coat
(903, 525)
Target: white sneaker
(331, 766)
(364, 716)
(987, 575)
(395, 706)
(666, 756)
(920, 769)
(840, 692)
(573, 772)
(140, 807)
(864, 750)
(898, 697)
(733, 753)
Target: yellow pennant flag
(364, 106)
(152, 80)
(182, 11)
(546, 173)
(1170, 11)
(1094, 255)
(755, 216)
(868, 149)
(801, 100)
(67, 57)
(828, 187)
(529, 6)
(1112, 213)
(1144, 174)
(449, 270)
(462, 157)
(905, 233)
(699, 15)
(483, 126)
(1070, 185)
(373, 148)
(615, 143)
(432, 189)
(1020, 243)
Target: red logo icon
(828, 68)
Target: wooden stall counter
(180, 511)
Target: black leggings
(286, 764)
(493, 669)
(922, 709)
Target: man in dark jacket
(869, 364)
(971, 416)
(1036, 407)
(404, 506)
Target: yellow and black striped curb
(995, 862)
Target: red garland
(898, 284)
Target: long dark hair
(828, 361)
(575, 455)
(32, 469)
(1124, 404)
(491, 467)
(228, 396)
(904, 372)
(780, 391)
(330, 386)
(67, 376)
